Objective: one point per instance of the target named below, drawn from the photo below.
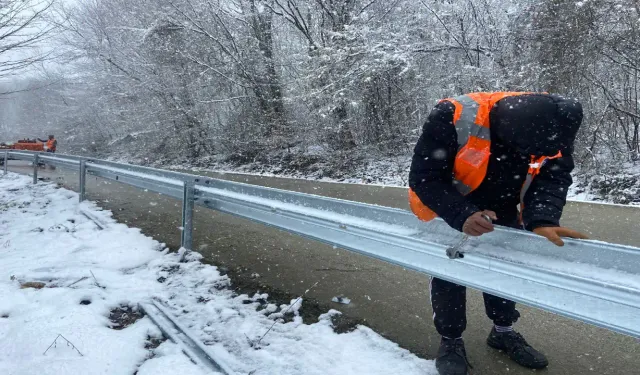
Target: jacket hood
(537, 124)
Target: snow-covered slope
(61, 275)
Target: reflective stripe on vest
(466, 125)
(474, 143)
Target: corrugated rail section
(594, 282)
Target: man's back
(436, 151)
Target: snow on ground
(44, 238)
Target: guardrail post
(6, 160)
(36, 160)
(187, 215)
(83, 179)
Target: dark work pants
(449, 303)
(449, 300)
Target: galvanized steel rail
(180, 335)
(597, 283)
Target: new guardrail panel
(595, 282)
(166, 186)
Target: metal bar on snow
(96, 220)
(6, 161)
(180, 335)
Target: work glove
(479, 223)
(553, 234)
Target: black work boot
(517, 349)
(452, 358)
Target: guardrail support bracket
(36, 161)
(187, 215)
(83, 179)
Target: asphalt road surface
(392, 300)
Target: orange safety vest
(51, 144)
(471, 119)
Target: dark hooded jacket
(521, 126)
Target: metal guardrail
(595, 282)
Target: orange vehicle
(29, 145)
(23, 145)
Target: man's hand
(553, 234)
(477, 224)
